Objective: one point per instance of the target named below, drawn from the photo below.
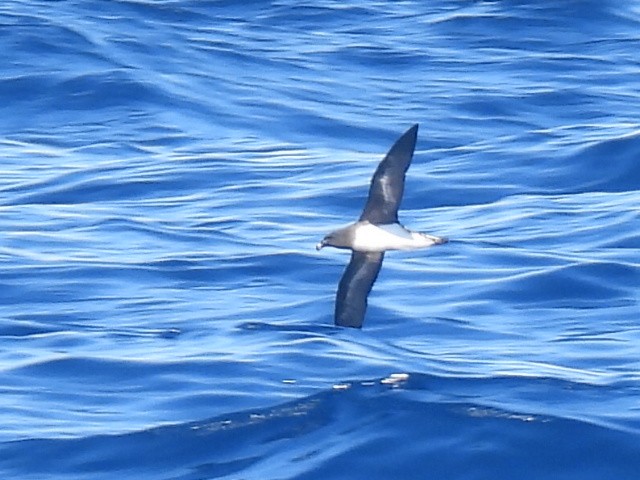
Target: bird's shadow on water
(308, 328)
(379, 320)
(323, 326)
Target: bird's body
(377, 231)
(391, 236)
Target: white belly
(378, 238)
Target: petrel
(377, 231)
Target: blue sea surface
(167, 167)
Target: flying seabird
(377, 231)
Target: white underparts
(379, 238)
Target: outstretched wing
(355, 285)
(387, 184)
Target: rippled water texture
(168, 167)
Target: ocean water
(168, 166)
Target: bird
(376, 231)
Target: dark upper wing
(387, 184)
(355, 284)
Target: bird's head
(322, 243)
(339, 239)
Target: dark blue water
(168, 166)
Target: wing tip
(346, 315)
(411, 134)
(404, 146)
(348, 322)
